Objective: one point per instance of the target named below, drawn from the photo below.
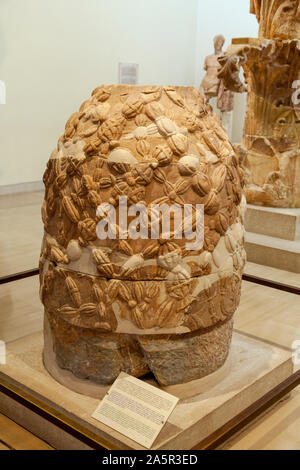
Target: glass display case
(240, 402)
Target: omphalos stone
(140, 304)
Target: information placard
(136, 409)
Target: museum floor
(265, 313)
(14, 437)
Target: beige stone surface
(257, 367)
(155, 145)
(273, 238)
(278, 429)
(273, 274)
(274, 222)
(274, 252)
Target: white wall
(232, 19)
(53, 53)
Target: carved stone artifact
(211, 82)
(213, 86)
(278, 19)
(271, 66)
(140, 305)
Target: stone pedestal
(256, 367)
(273, 237)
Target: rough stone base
(100, 358)
(188, 357)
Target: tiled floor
(20, 232)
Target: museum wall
(232, 19)
(53, 54)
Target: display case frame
(43, 408)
